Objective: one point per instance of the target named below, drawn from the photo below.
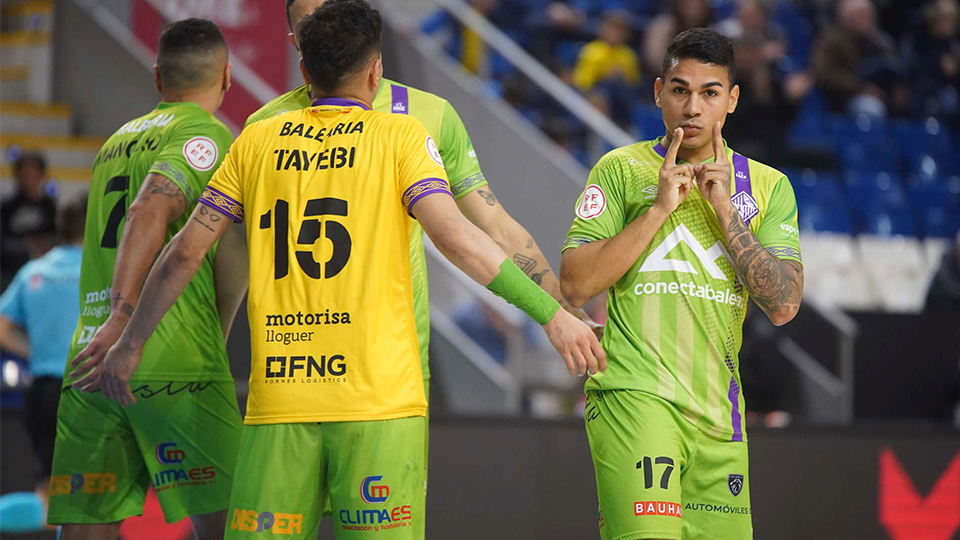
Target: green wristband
(515, 287)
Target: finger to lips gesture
(713, 179)
(675, 181)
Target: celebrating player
(467, 183)
(182, 435)
(326, 195)
(682, 230)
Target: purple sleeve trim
(423, 188)
(215, 198)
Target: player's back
(178, 141)
(325, 193)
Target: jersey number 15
(278, 220)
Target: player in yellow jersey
(327, 196)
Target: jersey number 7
(308, 236)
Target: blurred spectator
(491, 330)
(944, 292)
(936, 61)
(683, 15)
(38, 315)
(752, 21)
(854, 63)
(28, 218)
(608, 58)
(609, 69)
(769, 101)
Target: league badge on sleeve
(735, 483)
(434, 151)
(201, 153)
(593, 202)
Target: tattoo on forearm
(212, 216)
(538, 278)
(488, 196)
(161, 185)
(209, 228)
(529, 243)
(525, 263)
(118, 304)
(773, 285)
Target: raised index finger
(719, 152)
(670, 160)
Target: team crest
(735, 483)
(746, 205)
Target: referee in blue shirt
(38, 315)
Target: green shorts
(372, 472)
(420, 522)
(658, 476)
(181, 437)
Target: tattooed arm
(159, 202)
(483, 209)
(776, 285)
(173, 271)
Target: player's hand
(118, 368)
(576, 343)
(585, 317)
(94, 353)
(676, 181)
(713, 179)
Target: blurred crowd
(882, 59)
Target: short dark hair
(702, 44)
(72, 217)
(188, 55)
(35, 158)
(336, 40)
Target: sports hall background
(854, 406)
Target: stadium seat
(937, 201)
(881, 204)
(898, 269)
(929, 148)
(811, 130)
(821, 202)
(799, 32)
(865, 144)
(649, 120)
(567, 52)
(833, 273)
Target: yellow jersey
(325, 194)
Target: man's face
(30, 179)
(694, 97)
(299, 11)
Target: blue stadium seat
(929, 148)
(567, 52)
(821, 201)
(799, 31)
(881, 204)
(865, 145)
(811, 130)
(649, 120)
(937, 201)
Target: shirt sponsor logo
(201, 153)
(657, 508)
(137, 126)
(275, 522)
(93, 482)
(434, 151)
(399, 107)
(651, 191)
(593, 202)
(472, 153)
(310, 369)
(374, 493)
(745, 204)
(789, 230)
(168, 454)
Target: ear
(376, 72)
(157, 83)
(734, 98)
(303, 72)
(657, 90)
(293, 41)
(226, 78)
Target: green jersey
(456, 150)
(675, 319)
(184, 143)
